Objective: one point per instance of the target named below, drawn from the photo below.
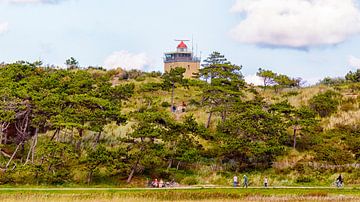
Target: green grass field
(193, 194)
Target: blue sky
(295, 37)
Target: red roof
(182, 45)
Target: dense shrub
(190, 180)
(333, 154)
(332, 81)
(150, 87)
(326, 103)
(353, 76)
(165, 104)
(304, 179)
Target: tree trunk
(35, 143)
(209, 120)
(89, 179)
(13, 155)
(294, 137)
(172, 97)
(170, 164)
(78, 144)
(55, 133)
(72, 136)
(30, 150)
(132, 171)
(178, 165)
(223, 116)
(97, 139)
(5, 138)
(22, 152)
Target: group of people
(339, 181)
(246, 181)
(157, 184)
(179, 109)
(160, 183)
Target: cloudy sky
(302, 38)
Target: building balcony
(179, 59)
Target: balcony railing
(179, 59)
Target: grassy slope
(348, 114)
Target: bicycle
(338, 184)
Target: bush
(190, 180)
(326, 103)
(220, 180)
(334, 154)
(165, 104)
(194, 102)
(332, 81)
(353, 76)
(154, 74)
(150, 87)
(304, 179)
(140, 78)
(134, 74)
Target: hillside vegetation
(121, 128)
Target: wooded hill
(89, 125)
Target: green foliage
(268, 76)
(72, 63)
(170, 79)
(134, 74)
(271, 78)
(151, 87)
(190, 180)
(304, 179)
(55, 162)
(165, 104)
(252, 137)
(325, 104)
(333, 154)
(332, 81)
(71, 126)
(353, 76)
(95, 158)
(223, 87)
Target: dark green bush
(333, 154)
(326, 103)
(304, 179)
(150, 87)
(165, 104)
(190, 180)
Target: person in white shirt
(235, 181)
(266, 182)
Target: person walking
(266, 182)
(235, 181)
(246, 181)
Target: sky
(311, 39)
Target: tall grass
(211, 195)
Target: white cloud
(253, 79)
(127, 60)
(4, 27)
(354, 61)
(31, 1)
(296, 23)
